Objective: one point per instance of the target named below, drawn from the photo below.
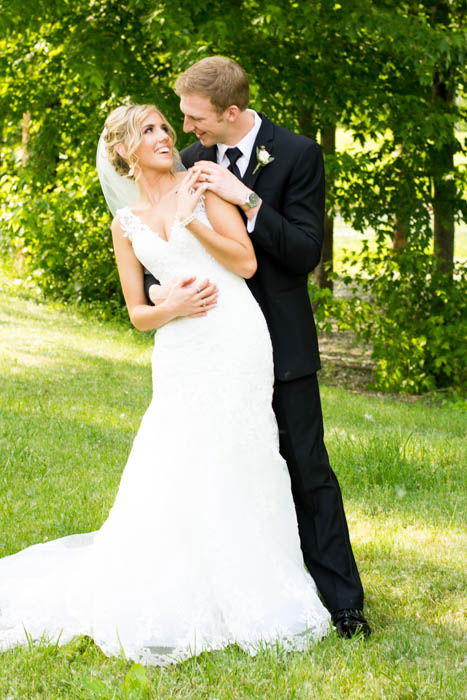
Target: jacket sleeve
(149, 280)
(295, 236)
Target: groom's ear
(231, 113)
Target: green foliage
(324, 306)
(65, 73)
(391, 73)
(70, 255)
(414, 316)
(136, 684)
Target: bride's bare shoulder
(116, 226)
(211, 200)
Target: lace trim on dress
(132, 223)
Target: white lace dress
(201, 547)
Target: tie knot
(233, 154)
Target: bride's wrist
(185, 220)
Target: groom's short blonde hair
(216, 77)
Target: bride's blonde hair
(123, 132)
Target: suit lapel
(208, 153)
(265, 137)
(192, 154)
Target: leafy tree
(65, 66)
(390, 72)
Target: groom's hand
(158, 293)
(222, 182)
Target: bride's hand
(187, 300)
(187, 196)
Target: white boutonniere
(263, 158)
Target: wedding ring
(203, 303)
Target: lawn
(73, 392)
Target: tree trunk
(401, 215)
(306, 123)
(401, 231)
(444, 191)
(323, 272)
(443, 166)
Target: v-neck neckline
(143, 223)
(138, 217)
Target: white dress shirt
(246, 146)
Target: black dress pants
(322, 525)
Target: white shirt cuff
(250, 226)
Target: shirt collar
(246, 143)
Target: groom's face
(201, 118)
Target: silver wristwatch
(252, 200)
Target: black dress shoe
(350, 622)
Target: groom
(276, 178)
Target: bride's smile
(156, 150)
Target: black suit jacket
(287, 238)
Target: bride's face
(155, 151)
(201, 118)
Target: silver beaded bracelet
(188, 219)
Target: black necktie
(233, 154)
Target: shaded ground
(345, 363)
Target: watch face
(253, 200)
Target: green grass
(73, 392)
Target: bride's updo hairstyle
(122, 133)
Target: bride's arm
(182, 299)
(228, 240)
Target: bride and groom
(201, 547)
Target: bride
(201, 546)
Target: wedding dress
(201, 547)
